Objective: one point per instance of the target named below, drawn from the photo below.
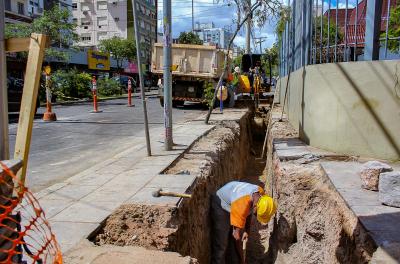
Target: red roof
(358, 33)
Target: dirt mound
(139, 225)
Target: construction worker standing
(232, 208)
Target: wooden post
(28, 102)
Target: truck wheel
(176, 103)
(162, 101)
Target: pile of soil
(151, 227)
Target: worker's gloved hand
(236, 233)
(245, 236)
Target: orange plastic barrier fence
(25, 234)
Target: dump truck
(193, 67)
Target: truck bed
(195, 61)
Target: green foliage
(332, 31)
(108, 87)
(119, 48)
(394, 30)
(208, 92)
(284, 14)
(189, 38)
(55, 23)
(270, 56)
(237, 61)
(71, 83)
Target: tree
(271, 58)
(394, 30)
(189, 38)
(328, 36)
(120, 49)
(71, 83)
(56, 24)
(263, 11)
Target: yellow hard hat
(266, 208)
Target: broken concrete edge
(186, 150)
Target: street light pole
(142, 93)
(192, 17)
(168, 142)
(4, 144)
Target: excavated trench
(313, 224)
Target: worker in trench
(232, 209)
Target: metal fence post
(4, 144)
(372, 30)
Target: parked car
(15, 87)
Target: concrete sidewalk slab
(379, 220)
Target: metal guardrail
(318, 32)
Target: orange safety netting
(25, 234)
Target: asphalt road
(80, 139)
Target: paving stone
(389, 188)
(68, 234)
(370, 172)
(53, 207)
(71, 192)
(144, 196)
(167, 181)
(95, 178)
(87, 212)
(112, 193)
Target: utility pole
(192, 17)
(139, 61)
(260, 41)
(4, 144)
(248, 28)
(168, 142)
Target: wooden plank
(28, 102)
(17, 44)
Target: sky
(221, 14)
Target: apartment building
(104, 19)
(211, 35)
(16, 11)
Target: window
(116, 19)
(74, 6)
(75, 20)
(142, 24)
(21, 8)
(86, 37)
(101, 35)
(102, 21)
(85, 7)
(7, 5)
(102, 5)
(85, 22)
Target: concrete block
(370, 174)
(53, 207)
(389, 188)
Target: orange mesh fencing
(25, 234)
